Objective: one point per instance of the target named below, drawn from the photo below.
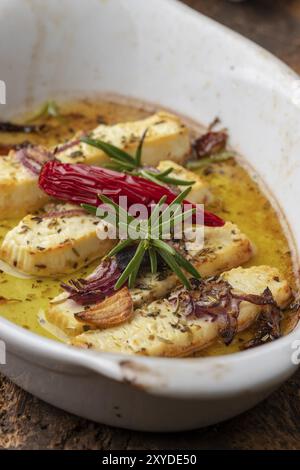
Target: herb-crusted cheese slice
(159, 330)
(225, 247)
(200, 192)
(58, 242)
(167, 138)
(19, 192)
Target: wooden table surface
(28, 423)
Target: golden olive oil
(237, 199)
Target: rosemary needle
(155, 246)
(124, 162)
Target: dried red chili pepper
(80, 184)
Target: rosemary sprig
(124, 162)
(48, 109)
(215, 158)
(154, 245)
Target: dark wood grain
(274, 24)
(27, 423)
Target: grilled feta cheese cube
(19, 191)
(58, 242)
(200, 192)
(167, 137)
(159, 330)
(224, 248)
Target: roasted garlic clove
(112, 311)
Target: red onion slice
(215, 300)
(96, 287)
(33, 158)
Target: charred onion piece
(82, 184)
(210, 143)
(25, 128)
(268, 329)
(125, 256)
(112, 311)
(268, 323)
(216, 299)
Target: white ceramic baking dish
(163, 52)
